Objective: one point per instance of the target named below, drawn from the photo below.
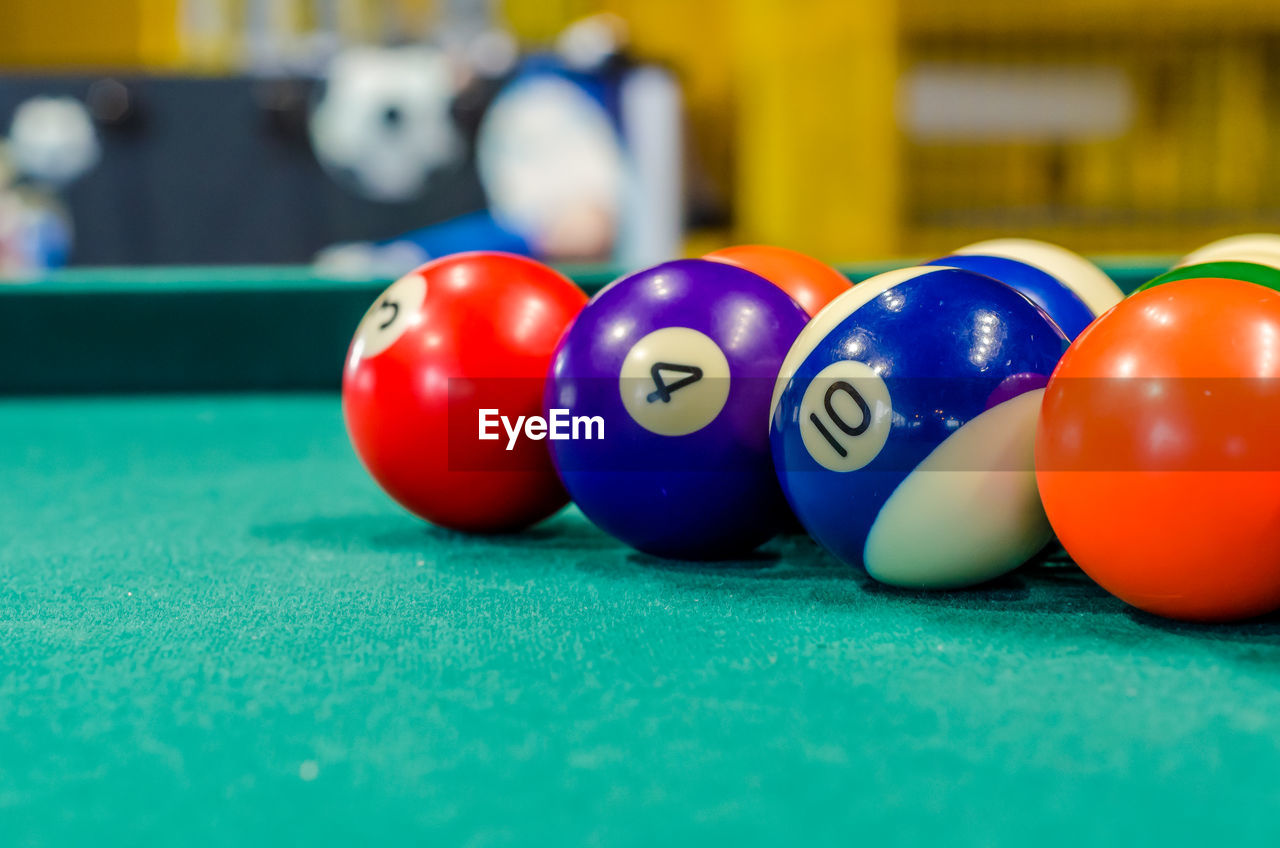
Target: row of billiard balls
(933, 425)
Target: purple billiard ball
(677, 363)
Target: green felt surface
(215, 630)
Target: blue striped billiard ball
(1064, 284)
(902, 426)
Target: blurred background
(368, 135)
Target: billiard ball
(1087, 281)
(1251, 272)
(1263, 248)
(902, 426)
(811, 283)
(460, 334)
(1156, 454)
(1063, 305)
(677, 362)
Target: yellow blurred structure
(797, 109)
(828, 125)
(791, 110)
(83, 33)
(1192, 161)
(200, 36)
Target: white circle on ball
(674, 381)
(392, 313)
(845, 416)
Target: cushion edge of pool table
(230, 328)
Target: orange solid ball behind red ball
(811, 283)
(1156, 454)
(460, 334)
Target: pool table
(215, 630)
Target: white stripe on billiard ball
(970, 511)
(1263, 248)
(830, 317)
(1256, 257)
(1098, 291)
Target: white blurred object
(552, 165)
(365, 260)
(975, 101)
(8, 173)
(492, 53)
(652, 226)
(385, 120)
(35, 233)
(52, 140)
(586, 44)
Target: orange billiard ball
(811, 283)
(1156, 455)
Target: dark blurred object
(201, 170)
(113, 105)
(285, 104)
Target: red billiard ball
(811, 283)
(460, 334)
